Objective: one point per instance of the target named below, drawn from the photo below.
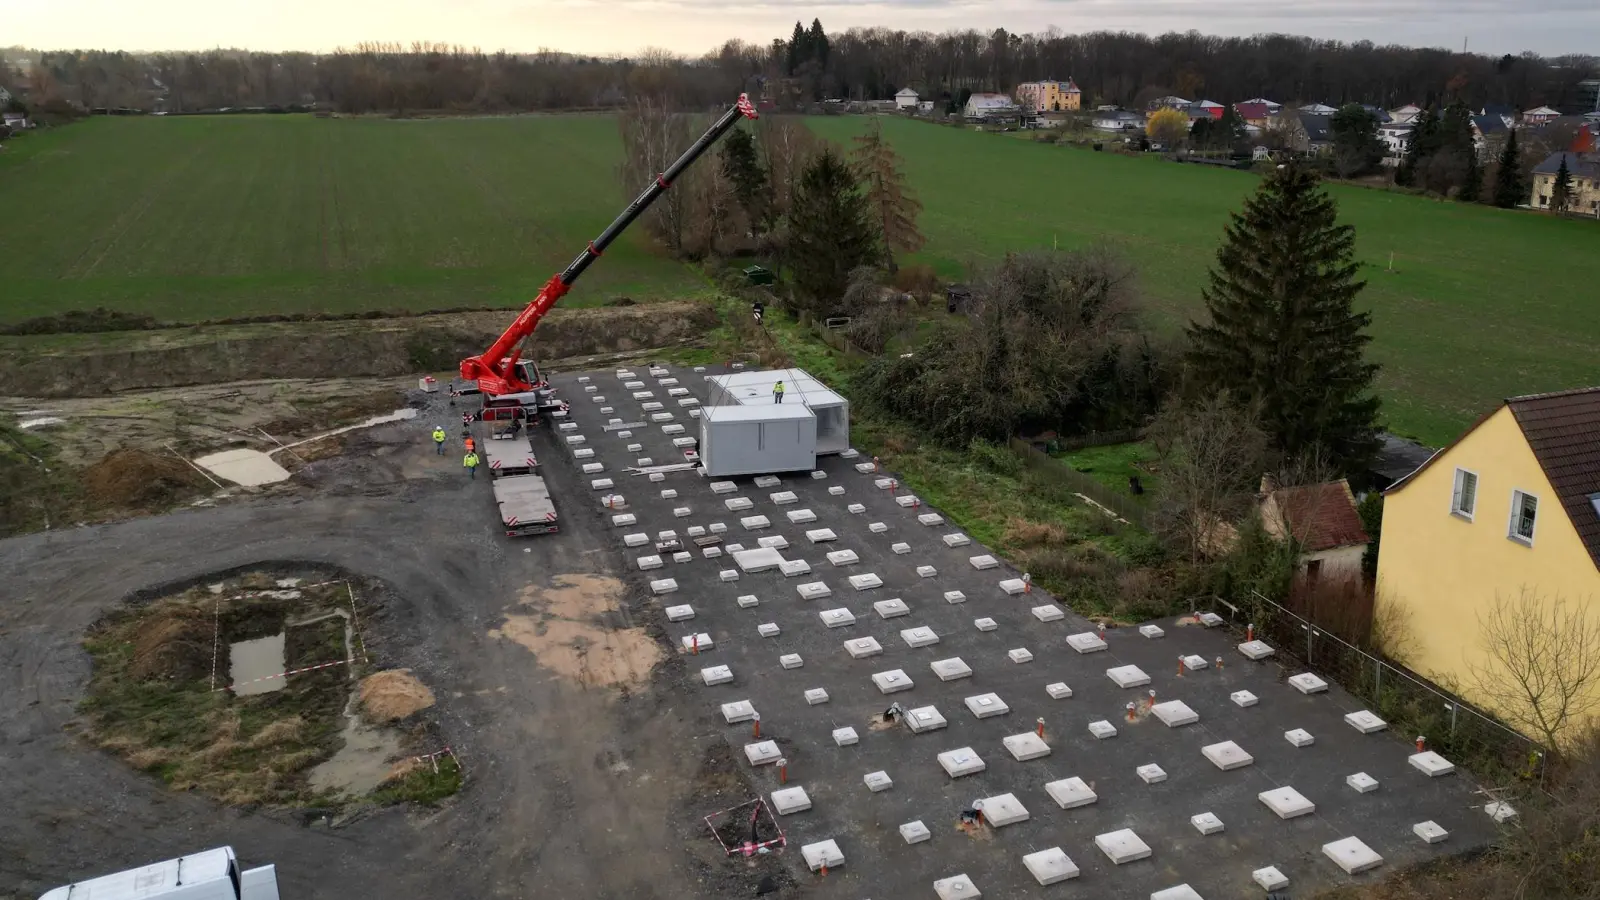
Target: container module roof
(755, 388)
(763, 412)
(152, 880)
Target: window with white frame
(1524, 513)
(1464, 501)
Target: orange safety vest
(470, 445)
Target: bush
(994, 458)
(918, 280)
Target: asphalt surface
(582, 790)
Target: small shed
(956, 297)
(758, 275)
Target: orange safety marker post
(1151, 702)
(1421, 743)
(1040, 729)
(824, 870)
(1027, 583)
(755, 725)
(1219, 662)
(892, 485)
(1102, 631)
(783, 771)
(1180, 667)
(1130, 710)
(695, 648)
(874, 464)
(1250, 632)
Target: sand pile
(393, 695)
(134, 479)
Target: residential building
(1583, 170)
(1405, 115)
(1378, 112)
(1318, 109)
(1323, 522)
(1489, 136)
(1256, 112)
(1308, 133)
(1118, 120)
(1168, 102)
(989, 106)
(1209, 107)
(905, 98)
(1396, 458)
(1049, 96)
(1539, 115)
(1507, 114)
(924, 106)
(1272, 108)
(1396, 138)
(5, 95)
(1512, 506)
(14, 121)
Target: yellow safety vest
(777, 388)
(438, 435)
(470, 461)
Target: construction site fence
(1410, 704)
(1054, 469)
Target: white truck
(209, 875)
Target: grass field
(202, 218)
(1483, 303)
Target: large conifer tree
(830, 231)
(894, 208)
(1508, 187)
(1282, 333)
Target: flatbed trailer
(507, 457)
(525, 505)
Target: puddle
(562, 626)
(251, 663)
(362, 763)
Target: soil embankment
(90, 365)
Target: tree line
(861, 63)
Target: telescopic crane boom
(495, 369)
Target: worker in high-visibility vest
(777, 392)
(470, 461)
(438, 440)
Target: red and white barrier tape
(326, 665)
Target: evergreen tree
(830, 231)
(741, 165)
(1357, 149)
(797, 49)
(1561, 191)
(1471, 180)
(1424, 142)
(893, 207)
(1228, 131)
(817, 44)
(1283, 335)
(1508, 187)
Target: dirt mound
(393, 695)
(134, 479)
(172, 643)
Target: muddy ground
(585, 774)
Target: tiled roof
(1319, 129)
(1251, 110)
(1563, 430)
(1488, 124)
(1586, 165)
(1321, 516)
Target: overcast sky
(619, 27)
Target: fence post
(1452, 718)
(1377, 690)
(1308, 644)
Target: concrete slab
(1206, 823)
(813, 590)
(1362, 782)
(1102, 729)
(761, 559)
(983, 561)
(891, 608)
(921, 636)
(783, 498)
(727, 575)
(866, 582)
(821, 535)
(762, 753)
(1048, 613)
(954, 597)
(892, 682)
(793, 567)
(663, 586)
(791, 660)
(900, 548)
(1050, 866)
(696, 643)
(956, 887)
(1365, 722)
(1175, 713)
(952, 669)
(861, 648)
(1299, 737)
(877, 781)
(844, 737)
(1002, 810)
(1243, 699)
(836, 491)
(746, 601)
(245, 467)
(984, 624)
(680, 613)
(1026, 746)
(646, 563)
(1151, 631)
(1352, 855)
(1500, 811)
(908, 500)
(927, 571)
(1128, 676)
(915, 832)
(1287, 802)
(682, 557)
(962, 761)
(855, 509)
(1150, 773)
(1307, 683)
(931, 519)
(1020, 655)
(768, 629)
(738, 711)
(1086, 642)
(755, 523)
(822, 853)
(1058, 690)
(878, 528)
(623, 519)
(773, 542)
(843, 558)
(1122, 846)
(768, 481)
(816, 697)
(1431, 764)
(1070, 793)
(714, 675)
(985, 705)
(1014, 586)
(1194, 663)
(800, 516)
(1178, 892)
(1227, 755)
(1430, 831)
(637, 539)
(837, 618)
(1270, 879)
(924, 718)
(956, 539)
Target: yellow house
(1512, 506)
(1049, 96)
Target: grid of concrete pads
(1167, 760)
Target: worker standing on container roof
(777, 392)
(470, 461)
(438, 440)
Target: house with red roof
(1322, 521)
(1254, 112)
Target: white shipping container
(800, 388)
(754, 440)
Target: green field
(1482, 303)
(203, 218)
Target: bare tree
(1542, 671)
(652, 137)
(1212, 453)
(893, 206)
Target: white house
(1396, 137)
(5, 96)
(1318, 109)
(14, 121)
(924, 106)
(1539, 115)
(906, 98)
(1117, 121)
(986, 105)
(1169, 102)
(1405, 115)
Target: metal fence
(1052, 468)
(1453, 728)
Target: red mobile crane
(498, 370)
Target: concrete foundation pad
(762, 753)
(1002, 810)
(1352, 855)
(1365, 722)
(680, 613)
(984, 624)
(822, 853)
(892, 681)
(761, 559)
(1299, 737)
(922, 636)
(861, 648)
(249, 468)
(877, 781)
(682, 556)
(647, 563)
(624, 519)
(927, 571)
(908, 500)
(1150, 773)
(1307, 683)
(1026, 746)
(1430, 831)
(1257, 650)
(1431, 764)
(1128, 676)
(844, 737)
(952, 669)
(1058, 690)
(1014, 586)
(746, 601)
(956, 539)
(1206, 823)
(866, 582)
(792, 567)
(723, 487)
(1086, 642)
(1020, 655)
(954, 597)
(963, 761)
(1362, 782)
(836, 491)
(901, 548)
(768, 629)
(985, 705)
(956, 887)
(791, 661)
(768, 481)
(813, 590)
(1048, 613)
(1122, 846)
(801, 516)
(816, 697)
(915, 832)
(1102, 729)
(1499, 810)
(755, 523)
(821, 535)
(727, 575)
(855, 509)
(1227, 755)
(837, 618)
(1287, 802)
(891, 608)
(983, 561)
(1175, 713)
(1070, 793)
(637, 539)
(773, 542)
(1178, 892)
(877, 528)
(714, 675)
(738, 711)
(783, 498)
(843, 558)
(1243, 699)
(692, 642)
(931, 519)
(1194, 663)
(1269, 878)
(1050, 866)
(925, 718)
(1151, 631)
